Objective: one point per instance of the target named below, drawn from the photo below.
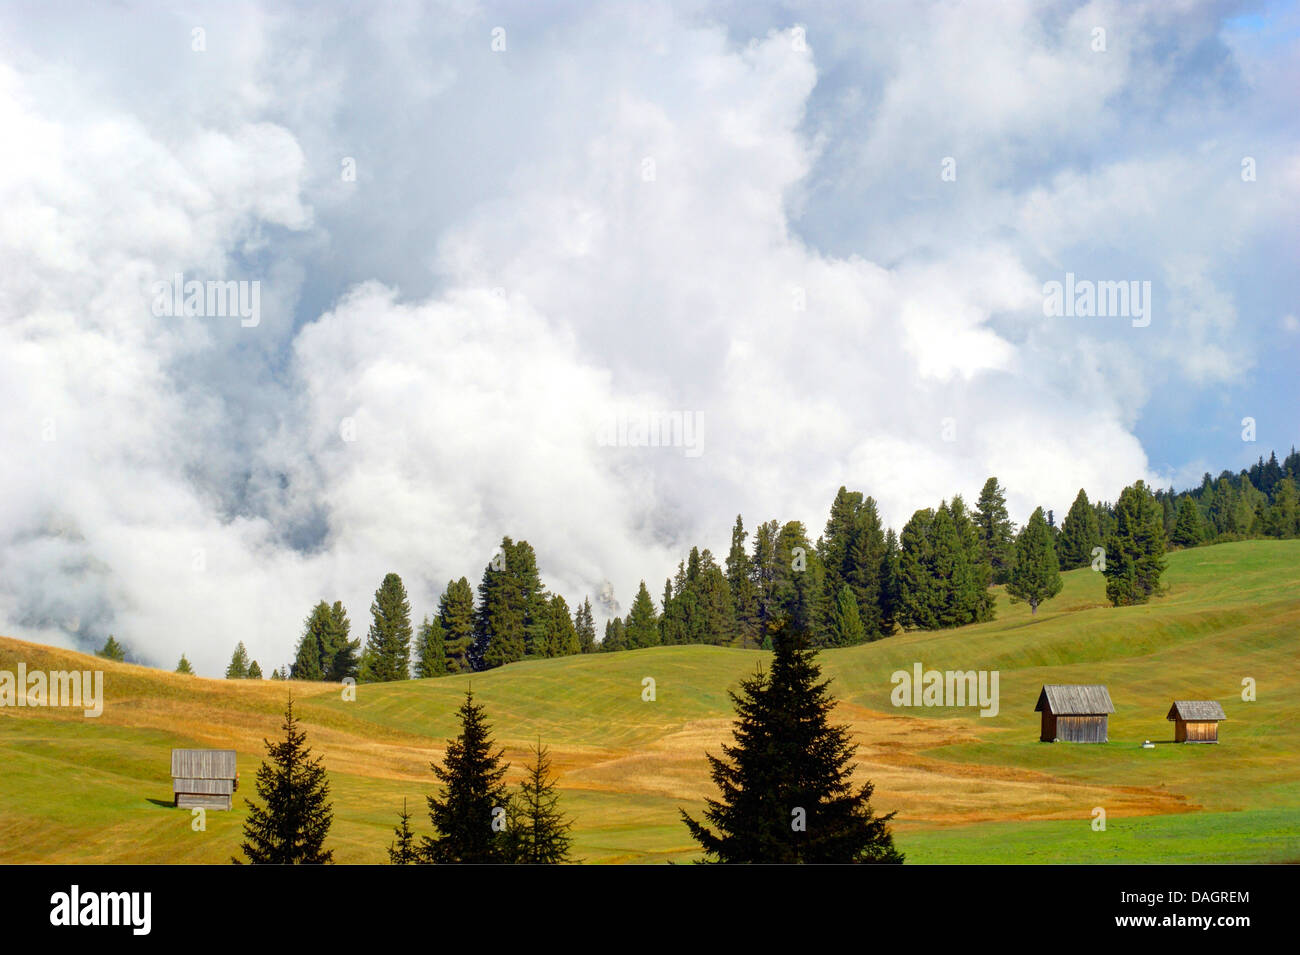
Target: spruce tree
(1035, 574)
(307, 658)
(798, 589)
(995, 530)
(238, 667)
(889, 593)
(1187, 527)
(585, 626)
(743, 598)
(615, 636)
(388, 642)
(846, 624)
(430, 650)
(112, 650)
(184, 666)
(537, 832)
(403, 851)
(785, 784)
(456, 614)
(1135, 552)
(1079, 534)
(339, 654)
(642, 624)
(290, 826)
(473, 798)
(511, 616)
(254, 671)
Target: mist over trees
(858, 581)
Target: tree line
(859, 581)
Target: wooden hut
(1196, 721)
(204, 778)
(1076, 713)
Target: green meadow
(965, 788)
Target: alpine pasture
(966, 788)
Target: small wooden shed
(1196, 721)
(204, 778)
(1074, 713)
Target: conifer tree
(798, 589)
(511, 616)
(184, 666)
(615, 636)
(339, 654)
(307, 658)
(1079, 534)
(290, 825)
(278, 674)
(739, 578)
(456, 614)
(889, 594)
(403, 851)
(112, 650)
(430, 650)
(642, 624)
(537, 832)
(1035, 574)
(1135, 552)
(996, 533)
(254, 671)
(388, 642)
(585, 626)
(561, 635)
(785, 785)
(716, 610)
(469, 813)
(238, 667)
(846, 624)
(764, 571)
(1187, 527)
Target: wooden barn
(204, 778)
(1074, 713)
(1196, 721)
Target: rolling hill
(966, 788)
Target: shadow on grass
(167, 803)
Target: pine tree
(112, 650)
(388, 643)
(1135, 551)
(585, 626)
(184, 666)
(798, 589)
(918, 591)
(238, 668)
(889, 593)
(1187, 527)
(995, 530)
(717, 611)
(430, 650)
(278, 674)
(254, 671)
(465, 814)
(764, 572)
(1079, 534)
(786, 789)
(403, 851)
(537, 832)
(1035, 574)
(290, 826)
(456, 614)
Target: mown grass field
(966, 788)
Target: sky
(481, 246)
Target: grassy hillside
(965, 788)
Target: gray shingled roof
(1075, 699)
(203, 764)
(1196, 710)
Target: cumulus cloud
(627, 213)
